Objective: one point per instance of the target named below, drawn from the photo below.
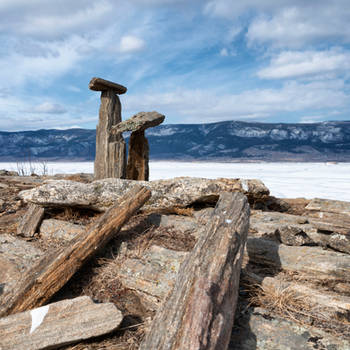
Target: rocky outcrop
(60, 230)
(301, 230)
(258, 329)
(166, 194)
(152, 274)
(16, 257)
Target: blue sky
(194, 61)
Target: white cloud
(131, 43)
(295, 26)
(224, 52)
(49, 107)
(199, 106)
(295, 64)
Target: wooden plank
(31, 220)
(98, 84)
(200, 311)
(54, 270)
(57, 324)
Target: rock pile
(173, 269)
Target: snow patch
(38, 316)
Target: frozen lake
(288, 180)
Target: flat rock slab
(58, 324)
(140, 121)
(300, 230)
(330, 210)
(16, 257)
(59, 230)
(152, 275)
(99, 84)
(166, 194)
(259, 330)
(313, 261)
(330, 206)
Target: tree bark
(200, 311)
(138, 168)
(110, 158)
(31, 220)
(54, 270)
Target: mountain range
(225, 141)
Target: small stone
(292, 235)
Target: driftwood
(54, 270)
(57, 324)
(30, 221)
(200, 310)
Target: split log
(200, 310)
(54, 270)
(110, 160)
(31, 220)
(61, 323)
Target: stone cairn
(110, 158)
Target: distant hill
(230, 140)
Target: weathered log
(54, 270)
(138, 156)
(200, 310)
(30, 221)
(140, 121)
(57, 324)
(110, 160)
(98, 84)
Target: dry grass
(286, 303)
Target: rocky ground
(295, 280)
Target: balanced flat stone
(58, 324)
(138, 154)
(166, 194)
(140, 121)
(99, 84)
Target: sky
(195, 61)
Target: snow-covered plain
(285, 180)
